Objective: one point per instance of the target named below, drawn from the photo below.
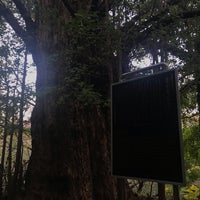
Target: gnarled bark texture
(71, 140)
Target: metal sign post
(176, 192)
(122, 195)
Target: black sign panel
(146, 134)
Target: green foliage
(79, 89)
(193, 174)
(191, 139)
(191, 193)
(169, 191)
(92, 41)
(90, 50)
(188, 97)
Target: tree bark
(70, 141)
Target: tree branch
(162, 19)
(28, 39)
(138, 33)
(9, 17)
(30, 24)
(69, 7)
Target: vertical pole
(161, 191)
(176, 192)
(122, 193)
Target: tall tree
(17, 177)
(70, 149)
(5, 134)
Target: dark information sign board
(146, 133)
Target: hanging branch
(30, 24)
(9, 17)
(26, 36)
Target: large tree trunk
(70, 136)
